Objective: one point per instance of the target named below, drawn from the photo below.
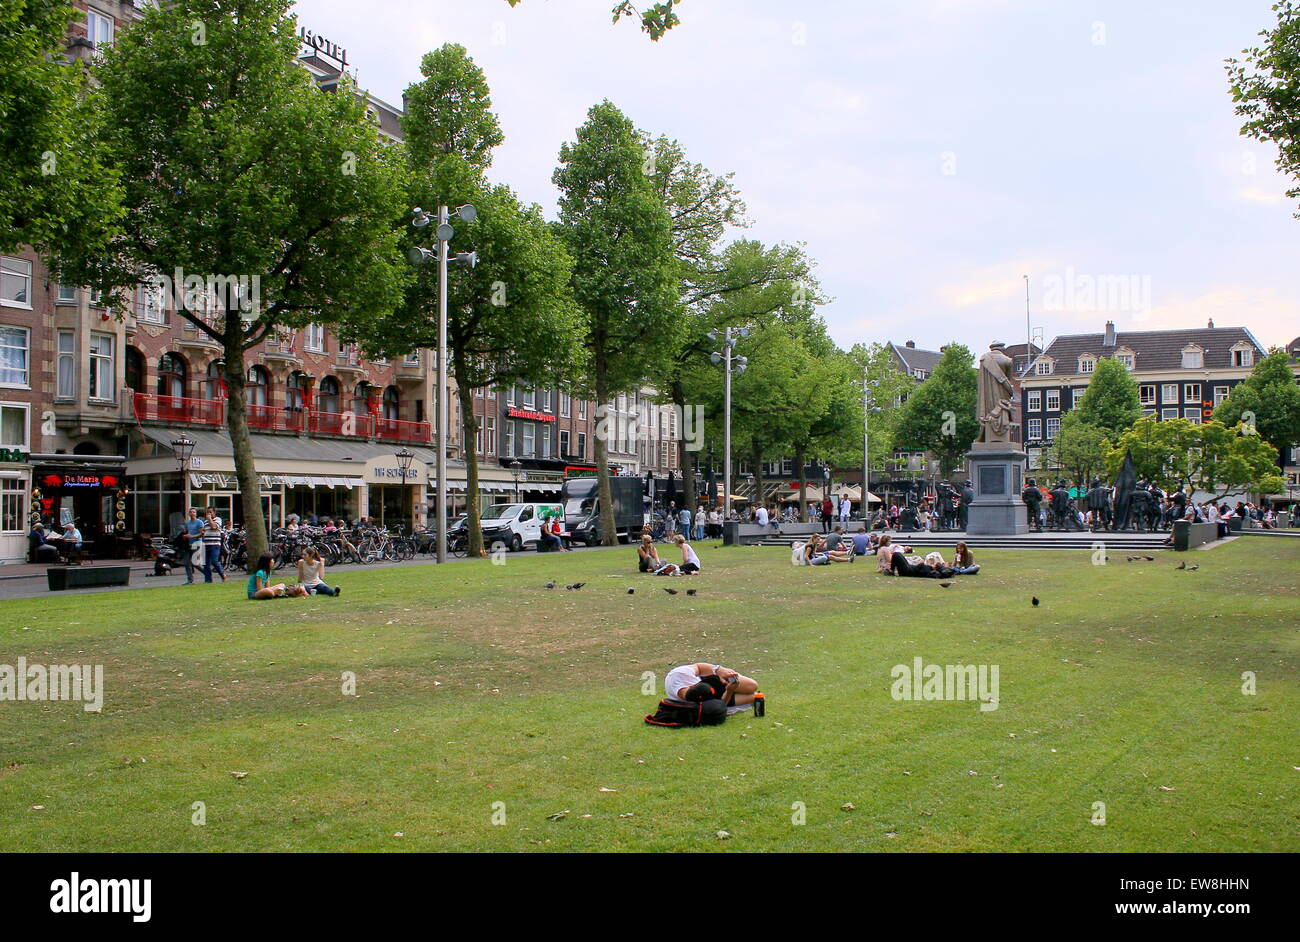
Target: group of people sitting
(893, 559)
(311, 579)
(648, 558)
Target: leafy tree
(1079, 448)
(55, 190)
(1177, 453)
(656, 19)
(1111, 401)
(511, 318)
(939, 416)
(875, 363)
(1269, 401)
(1264, 88)
(625, 275)
(235, 164)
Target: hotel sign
(322, 46)
(528, 414)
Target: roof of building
(914, 358)
(1158, 349)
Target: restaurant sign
(529, 414)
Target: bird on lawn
(1034, 600)
(690, 591)
(575, 586)
(549, 585)
(671, 591)
(1193, 568)
(1182, 565)
(944, 585)
(1150, 559)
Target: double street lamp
(418, 256)
(731, 364)
(868, 407)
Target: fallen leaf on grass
(847, 806)
(239, 774)
(557, 816)
(603, 789)
(724, 835)
(1166, 788)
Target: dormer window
(1087, 364)
(1193, 358)
(1043, 367)
(1243, 354)
(1126, 357)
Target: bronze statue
(996, 396)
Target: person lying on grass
(710, 681)
(260, 587)
(816, 553)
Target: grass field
(475, 685)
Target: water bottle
(760, 705)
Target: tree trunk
(469, 422)
(250, 489)
(609, 535)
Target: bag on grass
(678, 714)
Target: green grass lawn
(475, 685)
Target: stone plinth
(996, 470)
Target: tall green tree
(1266, 89)
(1268, 401)
(234, 164)
(888, 387)
(1111, 401)
(1079, 448)
(511, 318)
(625, 274)
(1177, 453)
(939, 417)
(55, 190)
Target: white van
(515, 525)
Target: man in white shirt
(846, 509)
(709, 681)
(760, 516)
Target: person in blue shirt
(861, 541)
(684, 518)
(192, 529)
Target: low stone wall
(1188, 536)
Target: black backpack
(678, 714)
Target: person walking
(190, 547)
(213, 534)
(700, 520)
(828, 513)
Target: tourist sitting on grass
(690, 562)
(260, 587)
(816, 553)
(647, 557)
(311, 572)
(862, 544)
(708, 682)
(886, 551)
(963, 561)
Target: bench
(63, 577)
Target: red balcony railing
(149, 407)
(341, 423)
(279, 418)
(403, 431)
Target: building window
(544, 399)
(1193, 359)
(1043, 368)
(511, 398)
(1169, 392)
(489, 426)
(1034, 429)
(13, 505)
(582, 408)
(15, 423)
(171, 375)
(392, 403)
(293, 393)
(1053, 427)
(1148, 412)
(1168, 413)
(67, 367)
(546, 441)
(564, 442)
(1033, 401)
(1243, 356)
(66, 294)
(1126, 359)
(314, 338)
(330, 399)
(508, 440)
(1191, 392)
(478, 392)
(530, 399)
(16, 282)
(257, 387)
(99, 29)
(1220, 394)
(1077, 396)
(566, 405)
(1086, 364)
(529, 440)
(582, 446)
(1192, 415)
(14, 346)
(1053, 400)
(1147, 394)
(150, 304)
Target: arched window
(329, 399)
(214, 387)
(392, 403)
(135, 369)
(361, 398)
(293, 389)
(258, 386)
(171, 375)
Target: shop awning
(216, 444)
(228, 482)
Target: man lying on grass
(709, 681)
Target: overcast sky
(929, 153)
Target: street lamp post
(868, 407)
(515, 468)
(418, 256)
(183, 448)
(731, 364)
(404, 459)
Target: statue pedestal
(997, 510)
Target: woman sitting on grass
(690, 562)
(311, 573)
(647, 557)
(964, 561)
(260, 587)
(816, 553)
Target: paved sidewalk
(27, 581)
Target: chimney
(1210, 324)
(911, 344)
(1109, 339)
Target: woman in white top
(311, 570)
(690, 562)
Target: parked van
(516, 525)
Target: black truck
(582, 508)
